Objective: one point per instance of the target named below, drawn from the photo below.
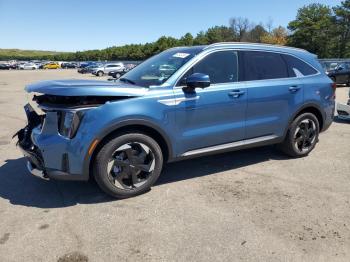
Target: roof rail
(253, 44)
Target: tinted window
(297, 67)
(264, 65)
(221, 67)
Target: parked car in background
(5, 67)
(84, 64)
(51, 65)
(67, 65)
(343, 110)
(341, 74)
(87, 69)
(105, 69)
(117, 74)
(28, 66)
(221, 97)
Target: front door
(215, 115)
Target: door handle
(236, 93)
(294, 89)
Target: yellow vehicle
(51, 66)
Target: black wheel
(333, 79)
(302, 136)
(128, 165)
(117, 76)
(99, 73)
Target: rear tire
(302, 136)
(99, 73)
(128, 165)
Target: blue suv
(184, 102)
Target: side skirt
(238, 145)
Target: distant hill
(26, 54)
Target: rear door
(273, 94)
(214, 115)
(109, 68)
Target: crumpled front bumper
(48, 154)
(36, 172)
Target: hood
(85, 88)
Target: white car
(344, 110)
(28, 66)
(105, 69)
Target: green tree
(219, 34)
(342, 22)
(201, 39)
(313, 29)
(256, 34)
(186, 40)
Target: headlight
(68, 122)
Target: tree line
(318, 28)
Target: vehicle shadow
(20, 188)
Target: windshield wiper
(123, 79)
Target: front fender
(102, 121)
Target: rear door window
(264, 65)
(297, 67)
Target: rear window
(264, 65)
(296, 67)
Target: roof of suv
(252, 46)
(248, 45)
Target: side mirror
(197, 80)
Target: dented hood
(85, 88)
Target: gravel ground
(251, 205)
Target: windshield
(157, 69)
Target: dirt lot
(252, 205)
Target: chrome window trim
(243, 49)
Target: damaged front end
(35, 162)
(48, 138)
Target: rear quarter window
(297, 67)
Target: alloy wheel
(305, 135)
(131, 166)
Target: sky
(77, 25)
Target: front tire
(302, 136)
(99, 73)
(128, 165)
